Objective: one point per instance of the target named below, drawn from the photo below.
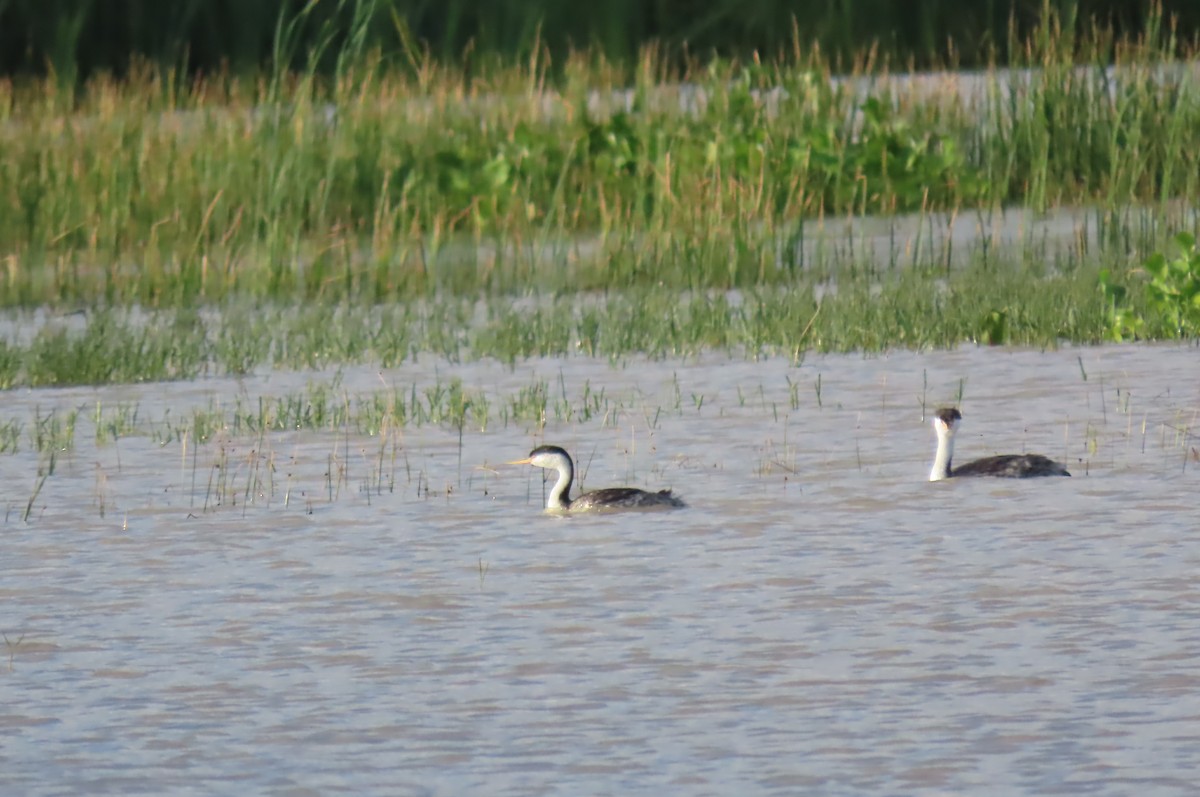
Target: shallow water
(821, 619)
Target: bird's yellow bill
(526, 461)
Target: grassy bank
(386, 184)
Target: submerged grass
(324, 406)
(384, 184)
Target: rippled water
(820, 620)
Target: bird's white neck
(560, 494)
(945, 452)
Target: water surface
(820, 620)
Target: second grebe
(1013, 466)
(559, 500)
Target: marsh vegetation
(381, 183)
(160, 226)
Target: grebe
(559, 500)
(1013, 466)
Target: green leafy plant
(1172, 296)
(1174, 288)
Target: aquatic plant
(1172, 296)
(862, 307)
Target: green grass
(230, 225)
(1026, 302)
(384, 184)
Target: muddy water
(820, 620)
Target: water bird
(610, 498)
(1014, 466)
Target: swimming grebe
(1014, 466)
(559, 500)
